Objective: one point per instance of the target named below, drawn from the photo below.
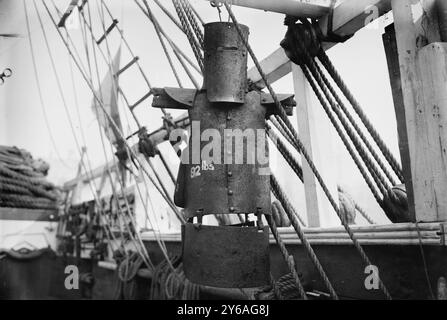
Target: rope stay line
(112, 122)
(160, 188)
(144, 254)
(181, 56)
(287, 257)
(386, 194)
(86, 169)
(196, 47)
(367, 123)
(161, 185)
(304, 152)
(293, 217)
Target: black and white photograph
(224, 156)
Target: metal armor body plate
(231, 186)
(225, 62)
(226, 256)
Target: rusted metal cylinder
(225, 76)
(442, 18)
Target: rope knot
(300, 32)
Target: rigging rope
(287, 257)
(111, 121)
(344, 88)
(189, 34)
(292, 215)
(304, 152)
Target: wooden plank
(316, 137)
(21, 214)
(425, 160)
(432, 61)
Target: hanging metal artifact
(225, 168)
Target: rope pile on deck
(23, 181)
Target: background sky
(361, 61)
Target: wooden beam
(158, 136)
(432, 61)
(298, 8)
(391, 51)
(349, 17)
(21, 214)
(423, 79)
(315, 132)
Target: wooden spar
(422, 62)
(389, 41)
(396, 234)
(317, 139)
(304, 9)
(158, 136)
(348, 18)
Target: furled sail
(108, 93)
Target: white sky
(361, 61)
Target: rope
(113, 124)
(24, 201)
(291, 214)
(327, 63)
(287, 155)
(304, 152)
(353, 155)
(39, 89)
(355, 126)
(10, 188)
(163, 44)
(187, 30)
(178, 53)
(366, 159)
(287, 257)
(142, 249)
(192, 20)
(5, 171)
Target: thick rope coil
(290, 211)
(289, 258)
(23, 201)
(11, 188)
(16, 175)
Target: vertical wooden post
(424, 83)
(316, 137)
(389, 41)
